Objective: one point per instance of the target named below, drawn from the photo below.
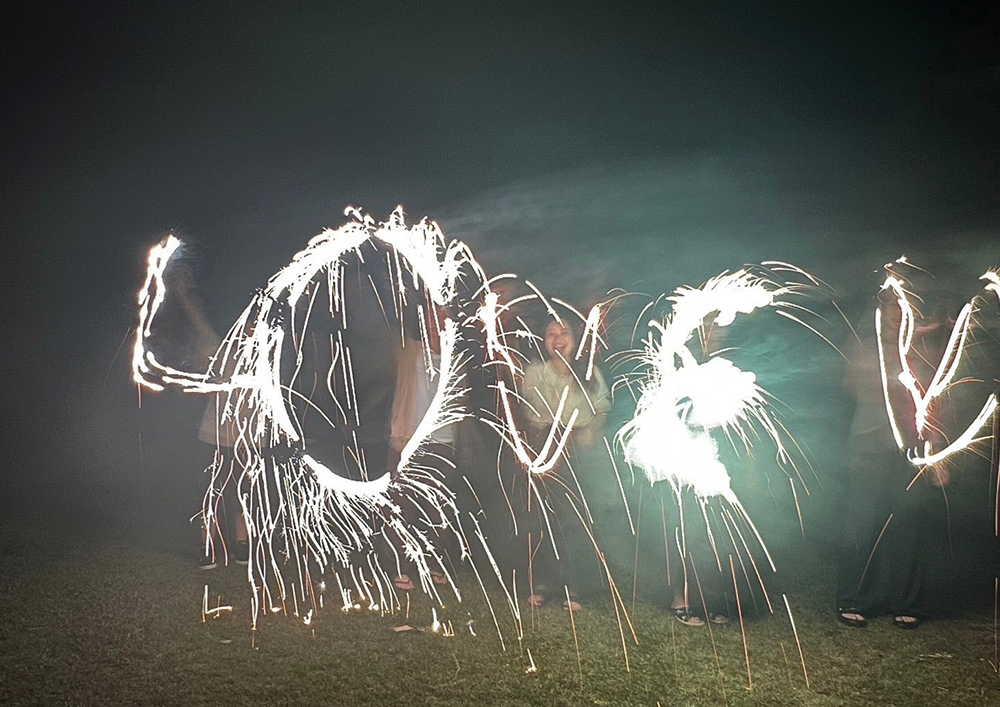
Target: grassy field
(104, 621)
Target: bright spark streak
(532, 668)
(743, 629)
(150, 297)
(576, 640)
(206, 612)
(968, 437)
(802, 657)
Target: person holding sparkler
(219, 503)
(694, 597)
(886, 528)
(689, 392)
(553, 387)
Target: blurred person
(220, 516)
(886, 530)
(413, 393)
(696, 595)
(544, 383)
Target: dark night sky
(250, 127)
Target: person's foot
(572, 605)
(207, 561)
(241, 552)
(852, 618)
(439, 578)
(536, 600)
(906, 621)
(403, 583)
(718, 618)
(682, 614)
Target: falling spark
(798, 508)
(995, 465)
(788, 670)
(802, 656)
(871, 555)
(708, 623)
(743, 629)
(576, 640)
(207, 613)
(532, 668)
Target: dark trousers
(882, 567)
(544, 532)
(435, 458)
(698, 562)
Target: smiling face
(559, 341)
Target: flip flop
(682, 614)
(907, 622)
(852, 618)
(439, 578)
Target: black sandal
(682, 614)
(907, 622)
(852, 618)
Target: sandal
(682, 614)
(907, 622)
(438, 577)
(852, 618)
(718, 619)
(403, 583)
(572, 605)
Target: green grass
(119, 624)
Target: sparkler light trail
(684, 399)
(307, 514)
(922, 453)
(681, 400)
(302, 514)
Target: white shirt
(543, 386)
